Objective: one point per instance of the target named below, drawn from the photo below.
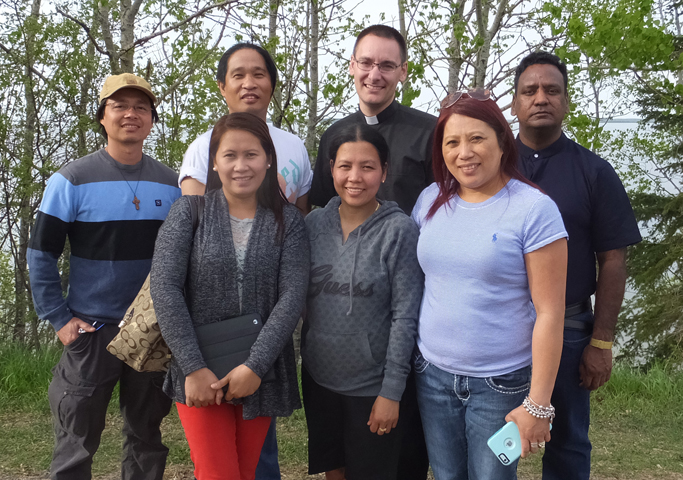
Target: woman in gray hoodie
(364, 294)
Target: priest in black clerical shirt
(378, 63)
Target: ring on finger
(382, 429)
(534, 445)
(541, 445)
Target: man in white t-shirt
(246, 78)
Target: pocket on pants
(420, 364)
(80, 344)
(70, 405)
(511, 383)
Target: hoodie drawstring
(353, 269)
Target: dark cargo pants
(79, 394)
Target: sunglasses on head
(480, 94)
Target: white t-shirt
(294, 167)
(476, 317)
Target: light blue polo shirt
(476, 316)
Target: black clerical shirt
(408, 132)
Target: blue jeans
(568, 453)
(460, 413)
(268, 467)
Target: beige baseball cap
(114, 83)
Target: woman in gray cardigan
(250, 254)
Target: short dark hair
(222, 70)
(361, 133)
(100, 115)
(269, 193)
(384, 31)
(541, 58)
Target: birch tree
(469, 43)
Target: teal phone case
(506, 444)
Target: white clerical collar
(371, 120)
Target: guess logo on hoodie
(321, 281)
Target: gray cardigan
(274, 285)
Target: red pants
(223, 446)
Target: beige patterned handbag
(139, 344)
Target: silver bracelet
(538, 411)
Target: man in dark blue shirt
(601, 224)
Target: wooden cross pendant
(136, 202)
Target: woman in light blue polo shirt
(494, 252)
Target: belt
(576, 309)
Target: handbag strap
(196, 210)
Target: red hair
(488, 112)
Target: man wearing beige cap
(110, 205)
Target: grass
(637, 420)
(24, 378)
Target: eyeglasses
(384, 67)
(140, 109)
(475, 93)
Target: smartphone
(506, 444)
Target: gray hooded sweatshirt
(363, 301)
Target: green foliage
(7, 300)
(603, 43)
(25, 376)
(621, 50)
(193, 102)
(645, 391)
(615, 34)
(653, 319)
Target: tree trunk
(314, 39)
(103, 19)
(272, 36)
(679, 32)
(487, 36)
(404, 32)
(482, 17)
(84, 100)
(128, 13)
(24, 187)
(455, 61)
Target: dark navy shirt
(408, 132)
(593, 202)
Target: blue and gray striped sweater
(90, 201)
